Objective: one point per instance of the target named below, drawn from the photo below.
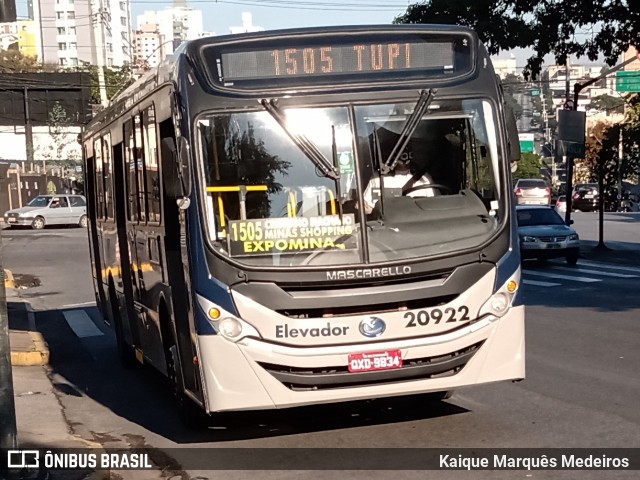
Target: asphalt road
(581, 388)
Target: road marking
(593, 272)
(610, 266)
(563, 277)
(81, 323)
(539, 284)
(76, 305)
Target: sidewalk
(40, 416)
(625, 253)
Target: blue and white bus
(305, 216)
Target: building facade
(77, 32)
(149, 46)
(20, 35)
(505, 66)
(172, 27)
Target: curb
(36, 352)
(8, 279)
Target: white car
(561, 204)
(49, 210)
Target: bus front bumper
(254, 375)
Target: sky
(275, 14)
(220, 15)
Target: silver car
(49, 210)
(532, 191)
(543, 234)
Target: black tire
(572, 259)
(82, 223)
(38, 223)
(191, 415)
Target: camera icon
(23, 459)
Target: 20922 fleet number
(435, 316)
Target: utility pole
(28, 129)
(97, 41)
(567, 158)
(8, 430)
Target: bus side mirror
(513, 141)
(175, 165)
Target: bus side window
(97, 148)
(130, 177)
(152, 183)
(140, 168)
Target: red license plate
(368, 362)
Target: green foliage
(547, 26)
(14, 61)
(608, 103)
(528, 166)
(512, 85)
(603, 157)
(116, 80)
(59, 123)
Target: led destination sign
(327, 60)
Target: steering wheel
(439, 186)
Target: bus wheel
(126, 355)
(189, 413)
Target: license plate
(368, 362)
(553, 245)
(589, 195)
(12, 220)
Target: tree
(548, 26)
(513, 85)
(528, 166)
(14, 61)
(607, 103)
(116, 79)
(602, 156)
(63, 150)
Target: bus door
(140, 232)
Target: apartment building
(22, 33)
(149, 46)
(74, 32)
(172, 27)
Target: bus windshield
(269, 204)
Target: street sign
(628, 81)
(526, 142)
(571, 132)
(535, 92)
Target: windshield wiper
(302, 142)
(426, 97)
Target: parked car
(532, 191)
(49, 210)
(561, 204)
(585, 197)
(543, 234)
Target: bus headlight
(230, 327)
(226, 324)
(500, 301)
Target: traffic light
(8, 11)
